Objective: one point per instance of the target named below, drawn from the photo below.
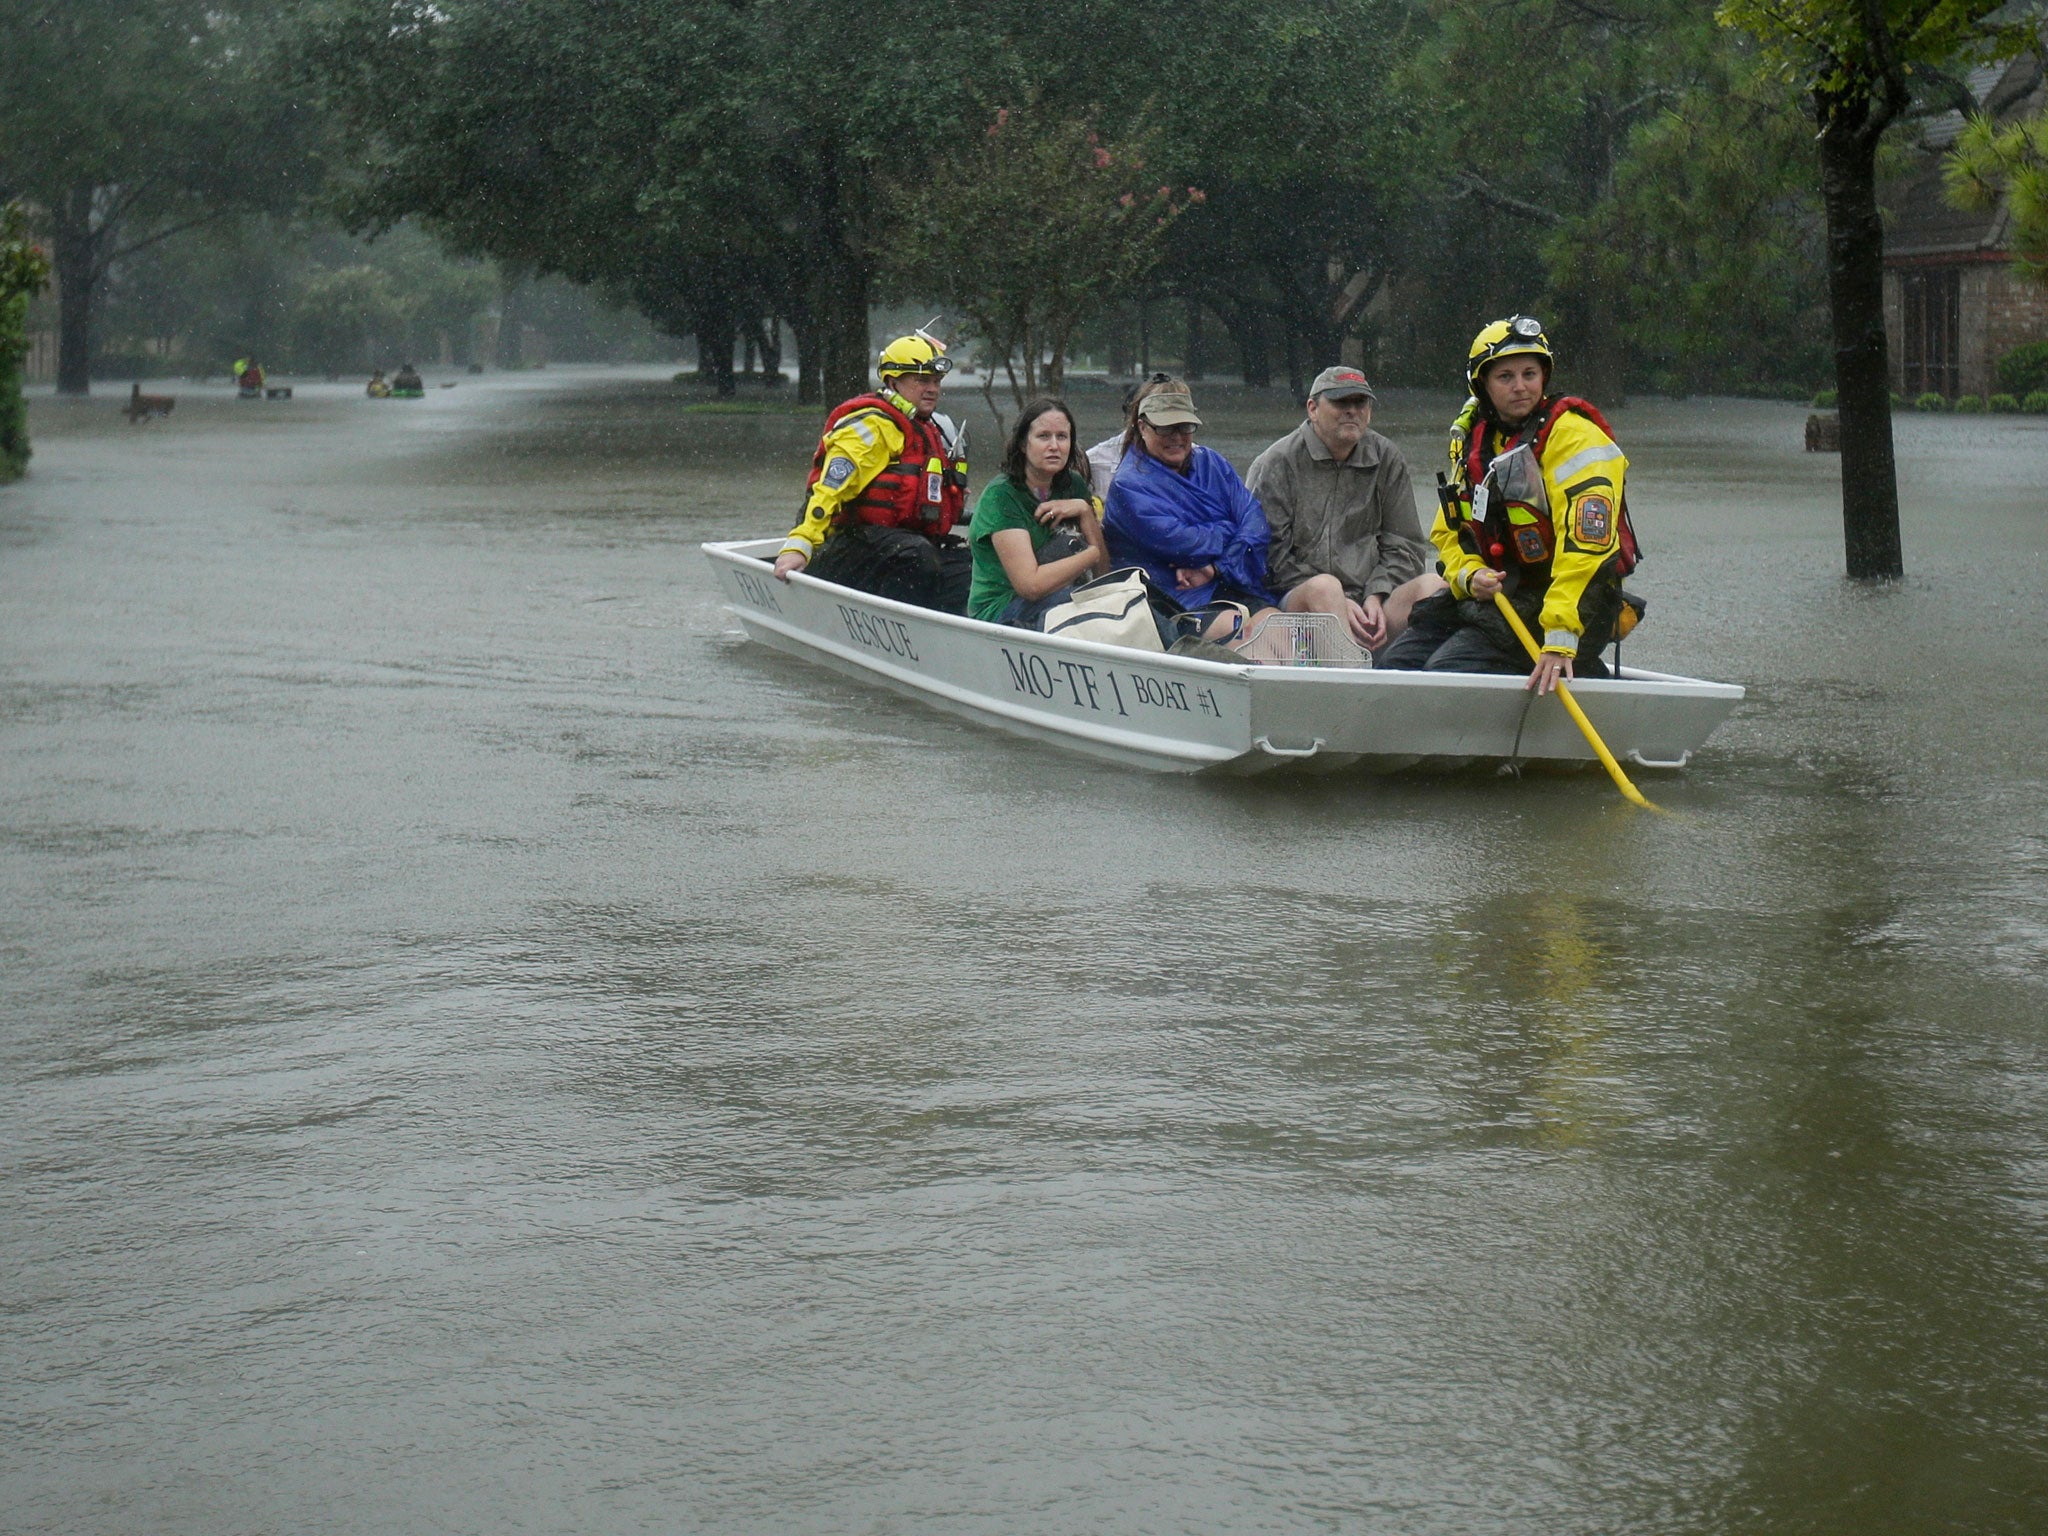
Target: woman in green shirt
(1042, 494)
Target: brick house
(1953, 306)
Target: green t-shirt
(1006, 504)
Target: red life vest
(923, 488)
(1495, 539)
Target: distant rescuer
(888, 483)
(1533, 507)
(1346, 540)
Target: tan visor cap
(1169, 408)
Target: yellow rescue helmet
(1505, 338)
(915, 353)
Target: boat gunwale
(1633, 681)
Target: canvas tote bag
(1111, 610)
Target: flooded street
(485, 1049)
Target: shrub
(1825, 400)
(1969, 405)
(2024, 370)
(23, 271)
(2003, 405)
(2036, 403)
(13, 415)
(1931, 401)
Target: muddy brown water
(485, 1049)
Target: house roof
(1922, 223)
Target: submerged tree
(1858, 64)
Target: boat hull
(1182, 715)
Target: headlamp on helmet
(919, 352)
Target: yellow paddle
(1629, 792)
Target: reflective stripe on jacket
(878, 463)
(1561, 534)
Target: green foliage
(2036, 403)
(14, 450)
(2025, 368)
(1990, 163)
(1651, 194)
(715, 161)
(1969, 405)
(1824, 400)
(2004, 405)
(1933, 400)
(1291, 120)
(23, 271)
(128, 122)
(1845, 54)
(1710, 243)
(1025, 228)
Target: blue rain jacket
(1159, 519)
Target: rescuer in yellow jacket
(887, 485)
(1532, 507)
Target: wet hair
(1152, 386)
(1013, 451)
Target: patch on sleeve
(1594, 521)
(838, 471)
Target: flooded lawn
(486, 1049)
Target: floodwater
(484, 1049)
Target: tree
(127, 122)
(23, 271)
(1024, 229)
(1709, 244)
(1858, 65)
(717, 162)
(1549, 98)
(1991, 163)
(1286, 117)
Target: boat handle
(1264, 744)
(1641, 761)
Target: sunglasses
(1178, 429)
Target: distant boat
(1179, 714)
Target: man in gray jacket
(1346, 539)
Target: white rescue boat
(1178, 714)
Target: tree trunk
(841, 275)
(1122, 361)
(1870, 487)
(508, 348)
(1596, 352)
(716, 334)
(1247, 327)
(843, 327)
(809, 384)
(1196, 363)
(74, 254)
